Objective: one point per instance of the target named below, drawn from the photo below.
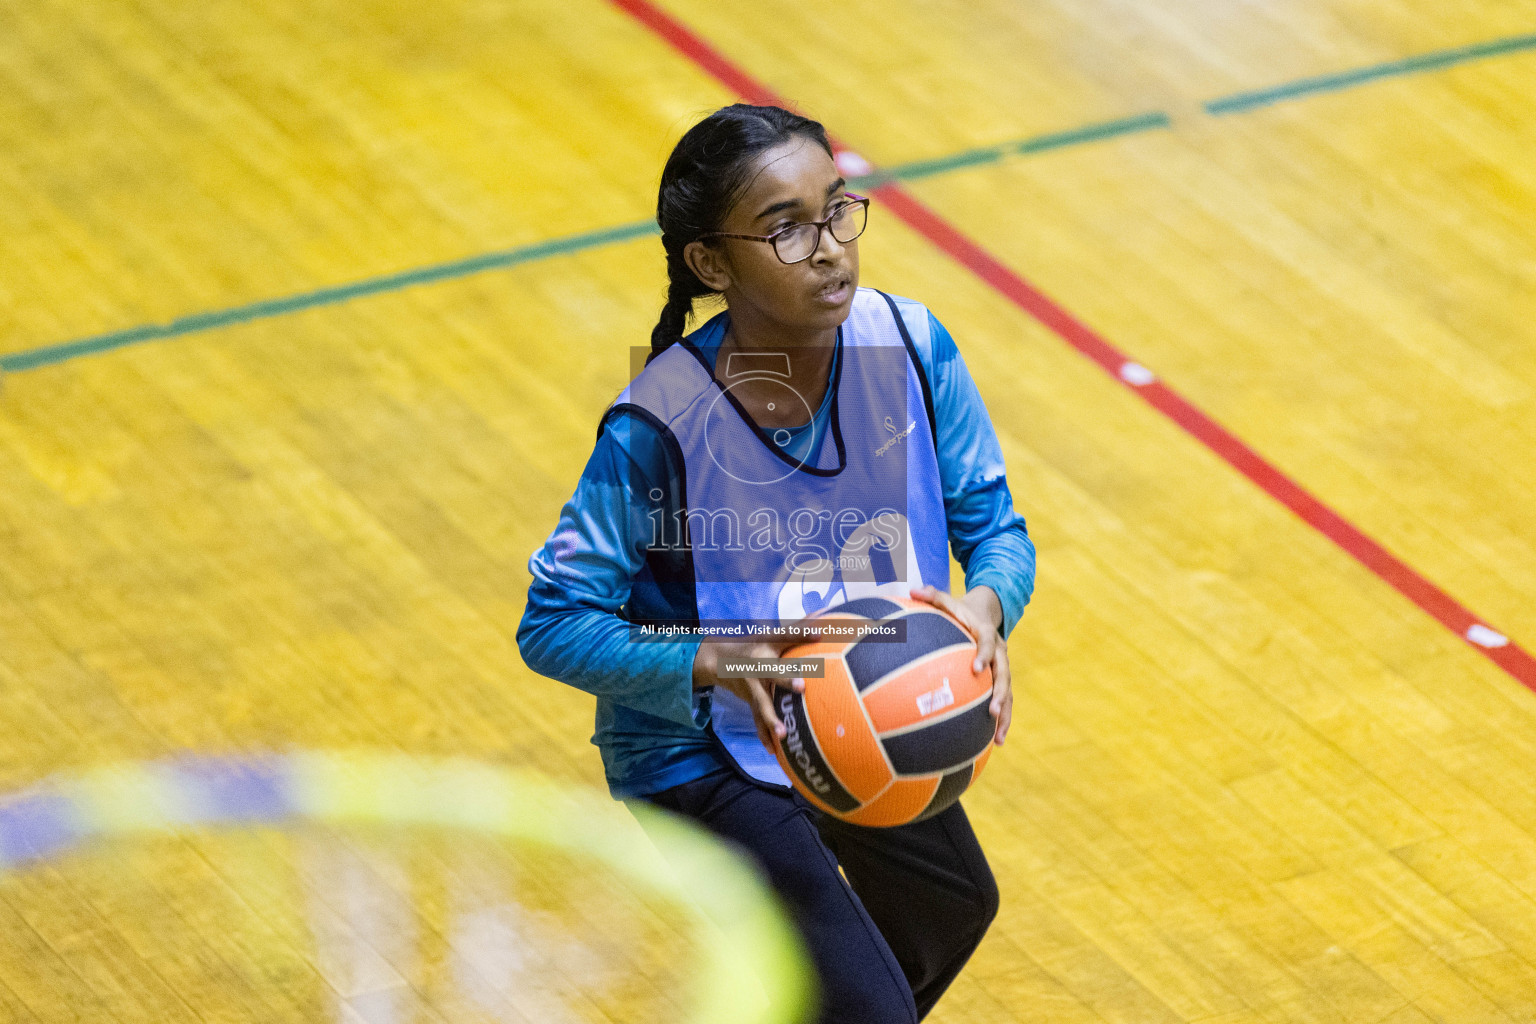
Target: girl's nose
(828, 248)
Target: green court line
(196, 322)
(1434, 61)
(1037, 144)
(51, 354)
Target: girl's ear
(708, 264)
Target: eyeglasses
(796, 242)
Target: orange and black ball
(895, 731)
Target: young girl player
(814, 442)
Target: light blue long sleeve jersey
(650, 720)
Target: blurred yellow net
(378, 889)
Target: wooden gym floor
(1249, 779)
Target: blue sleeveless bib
(773, 538)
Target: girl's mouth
(834, 293)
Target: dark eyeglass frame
(820, 225)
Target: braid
(683, 286)
(702, 178)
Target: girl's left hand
(981, 612)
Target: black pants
(887, 942)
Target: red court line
(1434, 601)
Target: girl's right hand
(757, 691)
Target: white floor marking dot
(1136, 375)
(1485, 637)
(851, 163)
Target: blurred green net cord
(739, 932)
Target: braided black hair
(702, 178)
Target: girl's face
(795, 181)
